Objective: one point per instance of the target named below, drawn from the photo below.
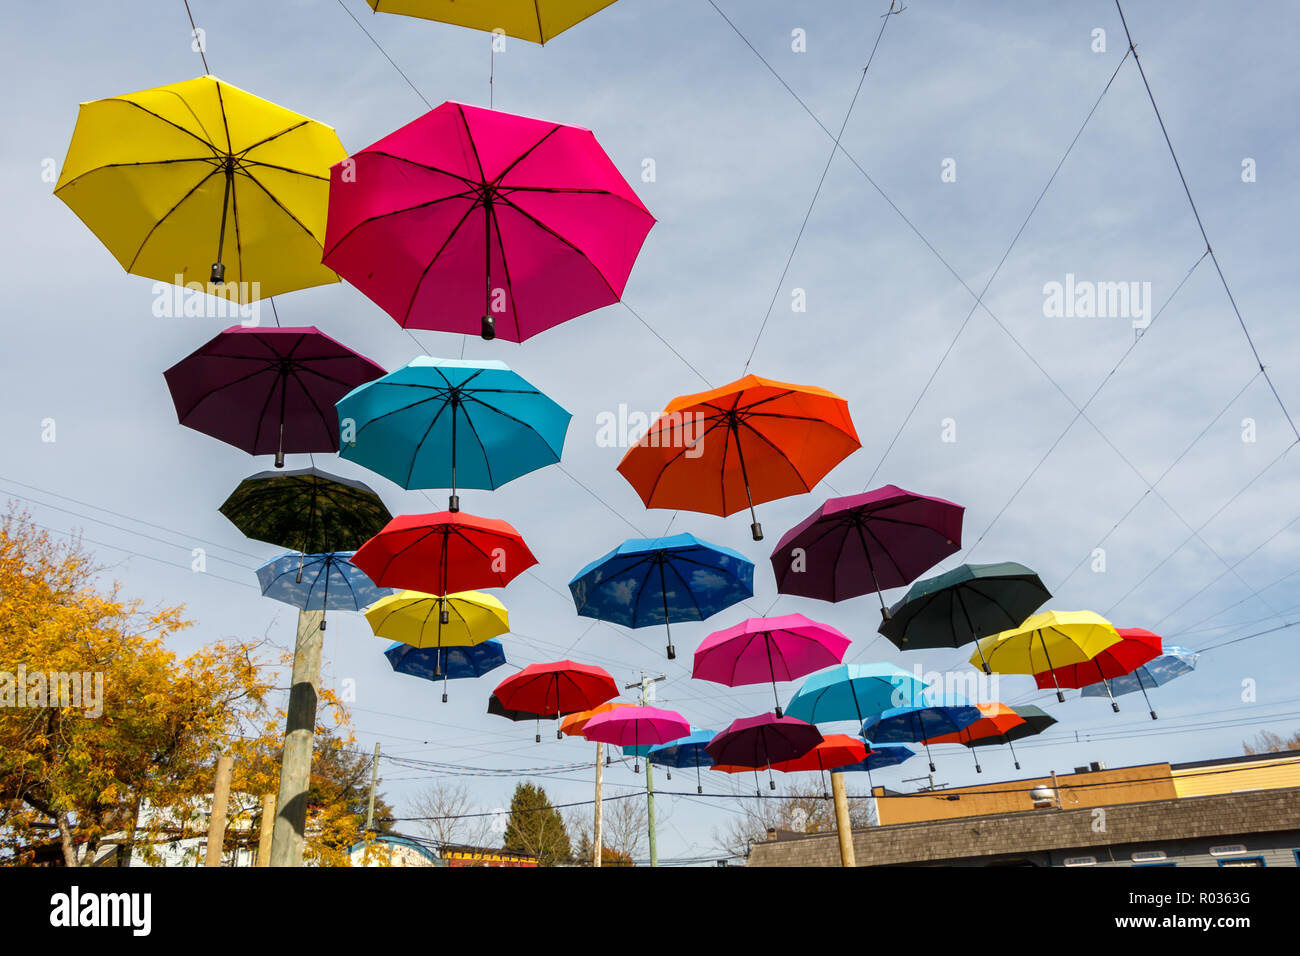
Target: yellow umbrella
(200, 181)
(427, 620)
(535, 20)
(1045, 642)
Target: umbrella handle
(489, 327)
(218, 275)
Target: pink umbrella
(470, 220)
(763, 649)
(637, 727)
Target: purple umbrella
(762, 741)
(883, 539)
(763, 649)
(268, 391)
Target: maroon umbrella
(761, 741)
(851, 546)
(268, 391)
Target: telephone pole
(597, 826)
(374, 782)
(217, 818)
(644, 684)
(299, 738)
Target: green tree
(536, 827)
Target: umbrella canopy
(444, 552)
(637, 727)
(963, 605)
(1173, 663)
(443, 423)
(535, 20)
(200, 181)
(835, 751)
(757, 742)
(768, 649)
(455, 663)
(561, 687)
(755, 440)
(854, 692)
(433, 621)
(879, 756)
(684, 753)
(932, 714)
(1034, 721)
(473, 220)
(866, 543)
(996, 719)
(650, 581)
(497, 709)
(268, 391)
(306, 510)
(319, 582)
(1134, 648)
(1045, 642)
(574, 724)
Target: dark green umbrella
(963, 605)
(1036, 721)
(307, 511)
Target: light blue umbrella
(319, 582)
(443, 423)
(854, 692)
(434, 663)
(652, 581)
(683, 753)
(1174, 662)
(932, 714)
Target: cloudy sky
(1194, 519)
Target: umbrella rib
(304, 121)
(398, 212)
(205, 160)
(644, 442)
(545, 228)
(424, 274)
(284, 209)
(518, 159)
(154, 228)
(172, 123)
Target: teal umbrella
(854, 692)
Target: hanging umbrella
(268, 391)
(201, 181)
(740, 445)
(318, 582)
(472, 220)
(835, 752)
(758, 742)
(562, 687)
(763, 649)
(854, 692)
(462, 619)
(1134, 648)
(442, 423)
(1035, 721)
(878, 757)
(684, 752)
(497, 709)
(996, 719)
(1047, 641)
(574, 724)
(866, 544)
(444, 552)
(637, 728)
(446, 663)
(1174, 662)
(307, 511)
(932, 714)
(963, 605)
(646, 582)
(535, 20)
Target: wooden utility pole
(217, 818)
(842, 824)
(268, 823)
(644, 684)
(299, 737)
(597, 826)
(374, 782)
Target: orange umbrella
(575, 724)
(997, 720)
(752, 441)
(835, 750)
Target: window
(1165, 863)
(1243, 861)
(1149, 856)
(1233, 849)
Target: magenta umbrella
(268, 391)
(851, 546)
(637, 727)
(761, 741)
(763, 649)
(472, 220)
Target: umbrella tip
(218, 276)
(756, 530)
(779, 714)
(1114, 706)
(1153, 715)
(1060, 696)
(489, 330)
(672, 653)
(1017, 764)
(279, 459)
(884, 614)
(453, 504)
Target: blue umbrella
(854, 692)
(685, 752)
(651, 581)
(443, 423)
(1174, 662)
(430, 663)
(878, 756)
(930, 715)
(319, 582)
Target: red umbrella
(444, 553)
(835, 750)
(1135, 648)
(556, 688)
(762, 741)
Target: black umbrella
(307, 511)
(498, 709)
(964, 605)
